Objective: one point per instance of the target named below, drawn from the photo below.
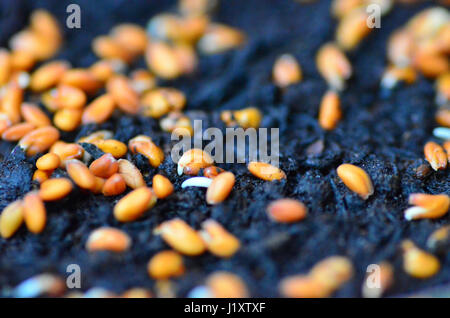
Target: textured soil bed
(383, 132)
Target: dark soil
(383, 132)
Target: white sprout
(197, 182)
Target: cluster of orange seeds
(69, 97)
(321, 281)
(184, 239)
(422, 45)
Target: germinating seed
(427, 206)
(439, 240)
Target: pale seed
(131, 174)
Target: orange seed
(162, 186)
(131, 174)
(435, 155)
(266, 171)
(80, 174)
(108, 239)
(220, 188)
(49, 161)
(330, 111)
(287, 210)
(180, 236)
(134, 204)
(356, 179)
(35, 215)
(165, 264)
(114, 185)
(55, 189)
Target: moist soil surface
(383, 132)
